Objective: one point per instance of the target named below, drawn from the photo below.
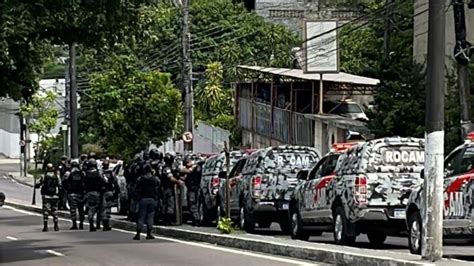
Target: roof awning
(340, 77)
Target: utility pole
(187, 77)
(432, 235)
(67, 152)
(73, 101)
(462, 53)
(388, 28)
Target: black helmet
(92, 163)
(63, 158)
(136, 158)
(146, 155)
(147, 169)
(74, 164)
(83, 157)
(92, 155)
(155, 154)
(169, 159)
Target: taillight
(215, 181)
(457, 184)
(256, 183)
(360, 190)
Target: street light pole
(73, 101)
(432, 244)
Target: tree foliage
(30, 27)
(126, 108)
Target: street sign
(188, 137)
(22, 143)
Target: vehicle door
(324, 177)
(235, 178)
(307, 204)
(459, 188)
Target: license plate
(285, 206)
(399, 214)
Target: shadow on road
(27, 250)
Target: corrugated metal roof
(340, 77)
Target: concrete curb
(327, 254)
(9, 175)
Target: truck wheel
(341, 225)
(285, 226)
(203, 213)
(297, 231)
(245, 222)
(264, 223)
(376, 238)
(415, 229)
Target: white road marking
(55, 253)
(13, 180)
(5, 177)
(11, 238)
(208, 246)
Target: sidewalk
(25, 180)
(328, 253)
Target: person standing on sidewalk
(147, 189)
(93, 183)
(168, 180)
(74, 186)
(50, 185)
(110, 193)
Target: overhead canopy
(340, 77)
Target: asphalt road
(458, 249)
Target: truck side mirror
(422, 173)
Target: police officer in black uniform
(192, 173)
(62, 168)
(132, 177)
(168, 181)
(156, 162)
(83, 162)
(110, 193)
(93, 183)
(74, 185)
(50, 185)
(147, 189)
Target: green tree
(126, 108)
(41, 115)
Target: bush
(225, 225)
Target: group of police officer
(153, 182)
(84, 187)
(169, 180)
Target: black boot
(74, 225)
(149, 235)
(81, 224)
(106, 225)
(91, 226)
(45, 226)
(56, 226)
(98, 224)
(137, 236)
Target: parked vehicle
(213, 173)
(263, 182)
(346, 108)
(371, 188)
(458, 199)
(309, 202)
(123, 203)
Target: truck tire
(245, 221)
(341, 227)
(203, 213)
(415, 230)
(297, 231)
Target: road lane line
(11, 238)
(208, 246)
(55, 253)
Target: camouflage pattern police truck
(265, 182)
(371, 188)
(213, 175)
(458, 199)
(363, 190)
